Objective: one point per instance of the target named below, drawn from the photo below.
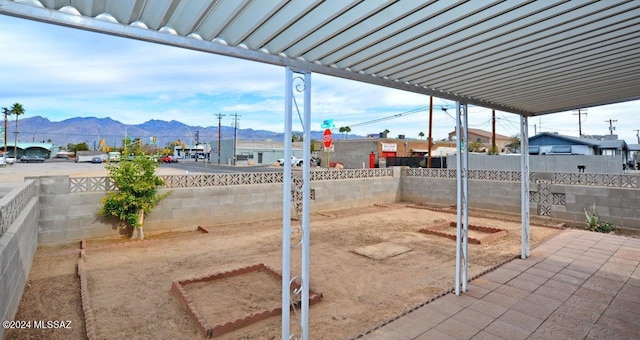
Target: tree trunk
(138, 231)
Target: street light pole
(126, 154)
(6, 113)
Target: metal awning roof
(520, 56)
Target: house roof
(598, 143)
(520, 56)
(483, 133)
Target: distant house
(634, 154)
(547, 143)
(484, 137)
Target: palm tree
(342, 129)
(347, 130)
(421, 134)
(17, 110)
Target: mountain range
(91, 130)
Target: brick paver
(578, 284)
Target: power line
(397, 115)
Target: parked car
(294, 161)
(7, 159)
(31, 159)
(312, 162)
(297, 161)
(96, 160)
(168, 159)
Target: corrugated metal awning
(520, 56)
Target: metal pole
(524, 179)
(462, 186)
(430, 129)
(6, 113)
(465, 196)
(458, 197)
(306, 196)
(493, 133)
(286, 206)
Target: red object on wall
(386, 154)
(372, 160)
(327, 138)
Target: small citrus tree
(137, 194)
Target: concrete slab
(569, 288)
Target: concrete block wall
(543, 163)
(620, 206)
(207, 206)
(437, 191)
(17, 249)
(351, 193)
(67, 217)
(486, 195)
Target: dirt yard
(129, 287)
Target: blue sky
(59, 73)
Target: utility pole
(430, 128)
(6, 112)
(235, 135)
(580, 113)
(611, 127)
(493, 134)
(219, 136)
(637, 135)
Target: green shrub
(594, 223)
(137, 194)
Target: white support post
(286, 206)
(524, 173)
(465, 196)
(462, 184)
(306, 206)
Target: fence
(14, 203)
(562, 196)
(97, 184)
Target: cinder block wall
(17, 249)
(486, 195)
(67, 217)
(437, 191)
(620, 206)
(351, 193)
(544, 163)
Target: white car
(297, 161)
(7, 160)
(294, 161)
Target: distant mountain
(91, 130)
